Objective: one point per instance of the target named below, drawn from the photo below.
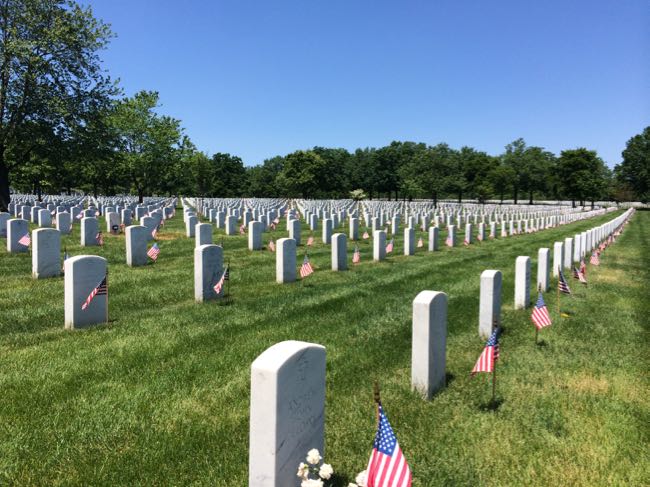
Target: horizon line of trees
(65, 126)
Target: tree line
(65, 126)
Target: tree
(582, 174)
(50, 77)
(262, 179)
(301, 175)
(513, 158)
(634, 171)
(230, 178)
(148, 142)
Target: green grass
(160, 396)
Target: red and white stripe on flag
(388, 470)
(485, 362)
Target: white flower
(352, 485)
(361, 479)
(325, 471)
(311, 483)
(303, 470)
(313, 456)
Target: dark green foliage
(634, 172)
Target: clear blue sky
(261, 78)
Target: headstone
(568, 251)
(313, 222)
(285, 260)
(558, 257)
(522, 282)
(126, 217)
(4, 218)
(294, 230)
(83, 273)
(469, 238)
(44, 219)
(327, 231)
(64, 223)
(112, 222)
(490, 302)
(150, 223)
(136, 245)
(339, 252)
(481, 232)
(89, 231)
(254, 235)
(429, 343)
(287, 411)
(451, 235)
(33, 214)
(543, 268)
(46, 253)
(379, 245)
(433, 238)
(221, 219)
(395, 225)
(231, 225)
(354, 228)
(203, 234)
(190, 226)
(208, 267)
(409, 241)
(576, 247)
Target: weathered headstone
(287, 411)
(46, 253)
(113, 222)
(490, 302)
(522, 282)
(136, 245)
(339, 252)
(83, 273)
(429, 342)
(285, 260)
(208, 267)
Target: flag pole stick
(494, 380)
(559, 314)
(539, 289)
(377, 398)
(228, 289)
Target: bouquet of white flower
(313, 473)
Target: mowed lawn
(160, 396)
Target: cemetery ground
(160, 395)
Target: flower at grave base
(311, 483)
(352, 485)
(313, 456)
(303, 471)
(325, 471)
(362, 478)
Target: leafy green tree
(582, 174)
(262, 178)
(301, 175)
(501, 178)
(149, 143)
(230, 178)
(50, 77)
(634, 171)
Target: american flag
(420, 242)
(79, 216)
(272, 246)
(97, 213)
(310, 241)
(242, 230)
(365, 235)
(277, 220)
(595, 259)
(389, 246)
(387, 466)
(448, 241)
(306, 268)
(154, 232)
(100, 238)
(583, 267)
(563, 286)
(490, 354)
(356, 257)
(25, 240)
(273, 224)
(466, 242)
(100, 289)
(153, 252)
(224, 277)
(540, 315)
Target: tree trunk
(460, 196)
(501, 198)
(5, 196)
(434, 197)
(140, 195)
(530, 198)
(573, 203)
(516, 194)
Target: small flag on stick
(25, 240)
(153, 252)
(540, 315)
(100, 289)
(356, 257)
(306, 268)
